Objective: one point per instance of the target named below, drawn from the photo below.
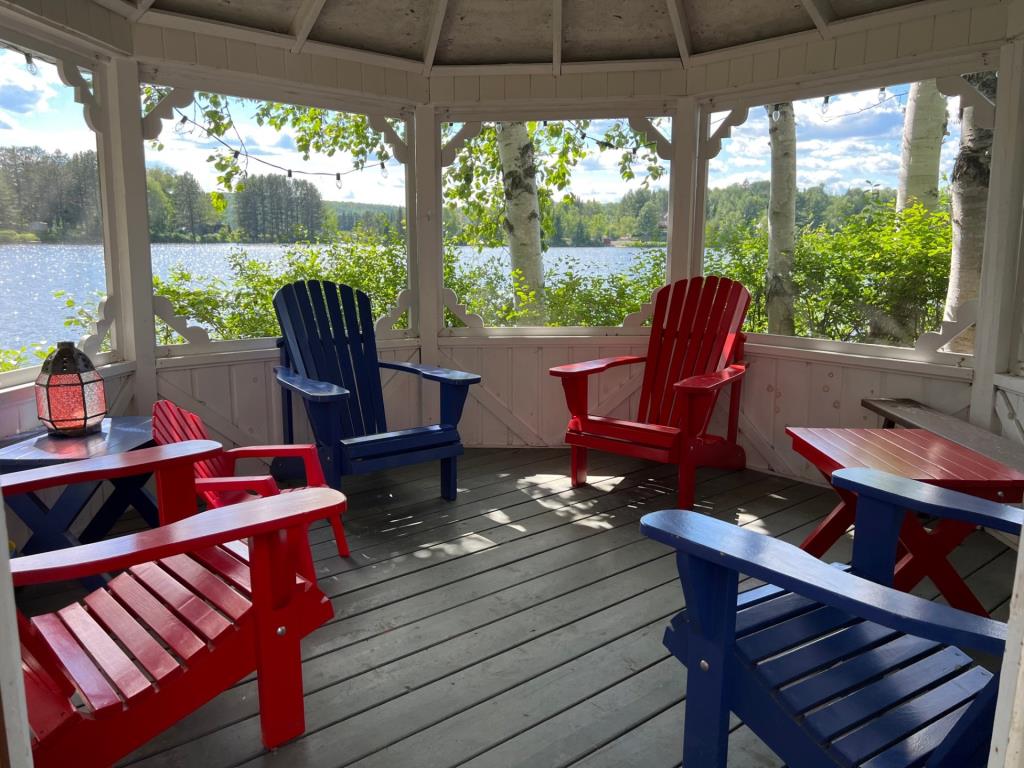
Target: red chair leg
(579, 466)
(687, 485)
(339, 536)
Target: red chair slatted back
(173, 424)
(695, 331)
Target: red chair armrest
(595, 366)
(263, 485)
(216, 526)
(119, 465)
(710, 382)
(306, 452)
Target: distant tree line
(49, 196)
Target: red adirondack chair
(695, 350)
(194, 611)
(215, 481)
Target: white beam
(556, 37)
(822, 14)
(303, 22)
(677, 14)
(434, 34)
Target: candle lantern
(70, 398)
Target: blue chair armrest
(929, 499)
(784, 565)
(432, 373)
(310, 389)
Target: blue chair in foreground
(329, 356)
(831, 667)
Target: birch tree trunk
(781, 219)
(924, 126)
(969, 194)
(522, 219)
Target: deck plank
(518, 625)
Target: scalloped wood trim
(984, 108)
(451, 301)
(400, 149)
(710, 147)
(458, 141)
(384, 328)
(933, 341)
(106, 314)
(641, 316)
(70, 73)
(643, 125)
(192, 334)
(152, 123)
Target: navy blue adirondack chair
(329, 358)
(831, 667)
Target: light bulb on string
(824, 105)
(776, 114)
(881, 93)
(337, 180)
(383, 169)
(290, 175)
(30, 65)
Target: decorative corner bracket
(152, 122)
(643, 125)
(192, 334)
(70, 72)
(106, 312)
(384, 328)
(711, 145)
(641, 316)
(970, 96)
(400, 149)
(458, 141)
(451, 301)
(933, 341)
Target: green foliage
(879, 277)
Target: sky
(853, 142)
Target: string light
(30, 64)
(383, 169)
(237, 153)
(824, 105)
(881, 94)
(776, 114)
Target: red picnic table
(919, 455)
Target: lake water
(29, 275)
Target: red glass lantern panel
(70, 397)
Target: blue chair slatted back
(329, 336)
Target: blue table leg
(128, 491)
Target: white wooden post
(1002, 256)
(428, 244)
(686, 194)
(126, 215)
(12, 684)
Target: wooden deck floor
(519, 625)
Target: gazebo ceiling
(481, 32)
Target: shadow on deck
(519, 625)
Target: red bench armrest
(710, 382)
(595, 366)
(306, 452)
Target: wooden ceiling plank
(556, 37)
(434, 34)
(302, 24)
(681, 29)
(822, 14)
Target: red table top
(914, 453)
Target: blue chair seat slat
(913, 750)
(844, 644)
(399, 441)
(393, 460)
(758, 595)
(889, 691)
(903, 720)
(792, 632)
(770, 612)
(853, 673)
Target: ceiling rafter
(822, 14)
(141, 9)
(434, 34)
(556, 37)
(681, 29)
(302, 23)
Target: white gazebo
(431, 62)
